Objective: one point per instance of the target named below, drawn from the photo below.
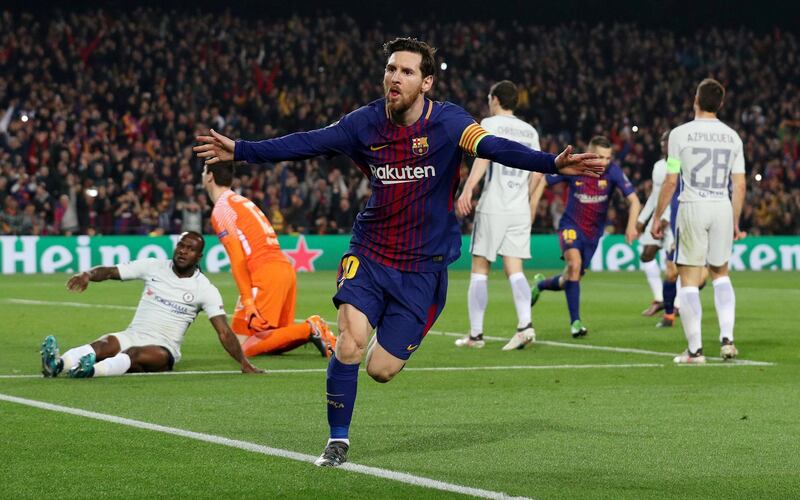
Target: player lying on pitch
(174, 292)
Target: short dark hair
(197, 236)
(222, 173)
(710, 94)
(599, 141)
(408, 44)
(506, 93)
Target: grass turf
(624, 432)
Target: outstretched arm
(298, 146)
(519, 156)
(464, 204)
(79, 282)
(228, 340)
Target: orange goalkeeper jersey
(245, 232)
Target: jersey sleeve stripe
(470, 138)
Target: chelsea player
(394, 276)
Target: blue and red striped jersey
(408, 222)
(589, 197)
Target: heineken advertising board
(63, 254)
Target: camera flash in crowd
(443, 66)
(635, 128)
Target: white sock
(346, 441)
(71, 357)
(477, 298)
(691, 316)
(522, 298)
(677, 302)
(725, 303)
(653, 273)
(110, 367)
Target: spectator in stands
(11, 220)
(107, 97)
(296, 215)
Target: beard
(401, 103)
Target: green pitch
(550, 421)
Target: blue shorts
(572, 237)
(401, 305)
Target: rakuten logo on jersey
(400, 175)
(591, 198)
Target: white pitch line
(592, 347)
(401, 477)
(28, 302)
(408, 369)
(412, 369)
(566, 345)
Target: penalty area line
(401, 477)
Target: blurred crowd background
(99, 109)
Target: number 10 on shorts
(350, 265)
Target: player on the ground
(264, 316)
(708, 155)
(394, 276)
(651, 246)
(502, 223)
(581, 227)
(174, 292)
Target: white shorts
(647, 239)
(505, 235)
(128, 339)
(705, 233)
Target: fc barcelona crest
(602, 183)
(419, 145)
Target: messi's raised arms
(218, 148)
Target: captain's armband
(470, 138)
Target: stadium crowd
(98, 110)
